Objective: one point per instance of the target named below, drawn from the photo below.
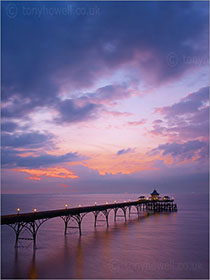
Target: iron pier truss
(31, 222)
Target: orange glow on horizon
(54, 172)
(124, 164)
(105, 164)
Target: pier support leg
(78, 219)
(33, 228)
(106, 214)
(34, 232)
(80, 230)
(27, 228)
(95, 220)
(137, 209)
(66, 219)
(16, 239)
(65, 230)
(107, 221)
(34, 239)
(17, 227)
(124, 211)
(115, 214)
(95, 217)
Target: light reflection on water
(169, 245)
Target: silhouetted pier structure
(31, 222)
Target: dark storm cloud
(183, 151)
(43, 54)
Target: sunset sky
(105, 97)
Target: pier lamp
(18, 210)
(107, 203)
(66, 206)
(35, 210)
(80, 205)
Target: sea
(171, 245)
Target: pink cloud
(136, 123)
(118, 114)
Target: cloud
(61, 63)
(169, 179)
(18, 106)
(118, 114)
(185, 120)
(69, 111)
(185, 151)
(136, 123)
(109, 93)
(90, 105)
(187, 105)
(125, 151)
(53, 172)
(9, 126)
(14, 158)
(95, 49)
(26, 140)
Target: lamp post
(66, 206)
(18, 210)
(35, 210)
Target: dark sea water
(161, 246)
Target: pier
(31, 222)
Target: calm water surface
(162, 246)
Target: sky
(105, 97)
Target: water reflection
(33, 270)
(152, 246)
(16, 263)
(79, 259)
(100, 253)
